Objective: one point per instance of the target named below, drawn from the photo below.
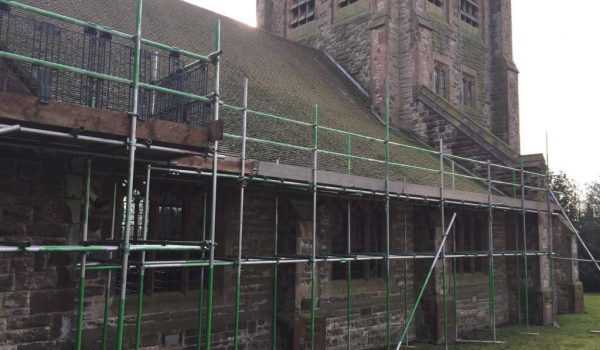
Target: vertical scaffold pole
(514, 188)
(238, 283)
(213, 199)
(349, 150)
(387, 220)
(349, 272)
(454, 282)
(492, 291)
(107, 284)
(201, 291)
(524, 223)
(550, 233)
(142, 267)
(275, 272)
(84, 236)
(349, 251)
(130, 176)
(405, 282)
(313, 264)
(443, 226)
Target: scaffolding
(205, 244)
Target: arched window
(440, 79)
(471, 237)
(170, 228)
(467, 97)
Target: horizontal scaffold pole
(86, 24)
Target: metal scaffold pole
(443, 229)
(238, 283)
(454, 282)
(130, 177)
(201, 291)
(492, 290)
(84, 237)
(142, 265)
(387, 222)
(275, 272)
(514, 190)
(313, 263)
(349, 275)
(349, 249)
(405, 272)
(107, 283)
(213, 199)
(525, 265)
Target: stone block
(7, 282)
(16, 299)
(52, 301)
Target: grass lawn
(573, 334)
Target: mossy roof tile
(286, 78)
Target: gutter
(347, 75)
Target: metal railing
(106, 55)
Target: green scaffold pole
(107, 284)
(142, 267)
(443, 225)
(81, 294)
(349, 273)
(387, 222)
(201, 291)
(275, 272)
(313, 263)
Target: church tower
(448, 63)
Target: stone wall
(399, 42)
(38, 295)
(41, 201)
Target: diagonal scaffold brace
(427, 278)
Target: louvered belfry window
(344, 3)
(302, 12)
(469, 12)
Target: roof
(285, 78)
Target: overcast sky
(557, 51)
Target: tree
(568, 195)
(590, 232)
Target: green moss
(285, 78)
(574, 333)
(350, 13)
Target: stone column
(431, 326)
(541, 295)
(569, 287)
(505, 94)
